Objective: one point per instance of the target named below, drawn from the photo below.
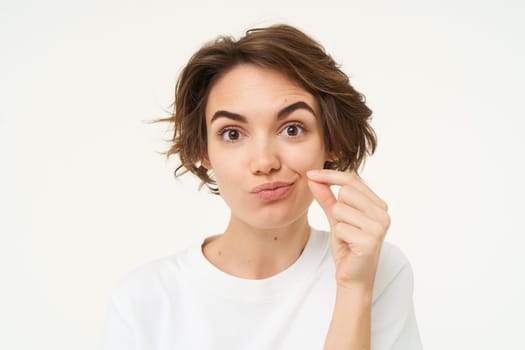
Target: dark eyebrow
(283, 113)
(229, 115)
(294, 106)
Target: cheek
(222, 169)
(303, 158)
(226, 166)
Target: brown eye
(231, 135)
(293, 130)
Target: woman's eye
(230, 135)
(293, 130)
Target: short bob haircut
(345, 117)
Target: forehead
(248, 89)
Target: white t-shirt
(185, 302)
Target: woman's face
(263, 133)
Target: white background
(85, 197)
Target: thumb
(325, 197)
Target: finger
(358, 242)
(325, 197)
(361, 185)
(351, 196)
(343, 213)
(341, 178)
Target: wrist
(355, 288)
(355, 293)
(350, 327)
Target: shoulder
(134, 281)
(146, 285)
(393, 272)
(139, 303)
(394, 324)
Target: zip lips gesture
(358, 221)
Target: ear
(205, 162)
(330, 157)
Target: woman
(269, 122)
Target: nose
(264, 158)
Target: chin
(274, 219)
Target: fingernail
(312, 173)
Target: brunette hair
(345, 117)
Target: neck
(254, 253)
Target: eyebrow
(283, 113)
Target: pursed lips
(269, 186)
(272, 191)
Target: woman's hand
(358, 222)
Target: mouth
(272, 191)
